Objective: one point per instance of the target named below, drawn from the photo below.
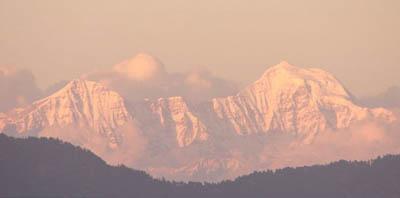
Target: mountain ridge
(285, 99)
(80, 102)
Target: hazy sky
(357, 40)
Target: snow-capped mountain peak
(286, 99)
(81, 103)
(285, 76)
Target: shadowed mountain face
(50, 168)
(215, 140)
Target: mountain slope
(189, 139)
(172, 115)
(44, 167)
(81, 104)
(285, 99)
(291, 99)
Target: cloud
(17, 88)
(389, 99)
(142, 67)
(130, 150)
(362, 141)
(145, 77)
(54, 87)
(202, 85)
(199, 80)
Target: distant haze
(357, 40)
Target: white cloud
(198, 80)
(145, 77)
(142, 67)
(362, 141)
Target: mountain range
(172, 137)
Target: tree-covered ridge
(41, 167)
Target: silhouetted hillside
(373, 179)
(42, 167)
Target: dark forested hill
(42, 167)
